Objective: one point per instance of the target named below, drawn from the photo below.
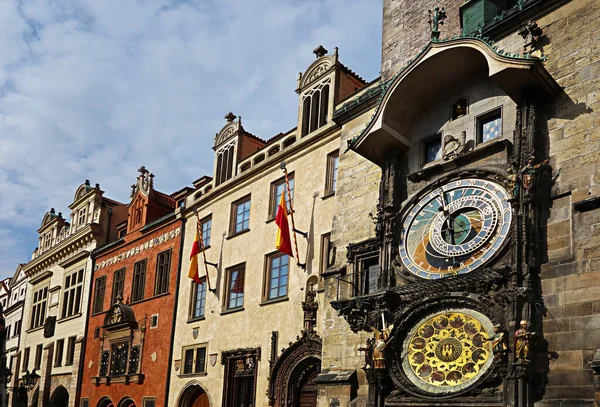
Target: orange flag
(193, 272)
(283, 242)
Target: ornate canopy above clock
(455, 228)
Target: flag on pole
(193, 272)
(283, 242)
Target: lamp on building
(5, 376)
(30, 379)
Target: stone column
(76, 373)
(45, 373)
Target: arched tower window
(315, 108)
(224, 164)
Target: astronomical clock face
(446, 352)
(455, 229)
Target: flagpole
(287, 185)
(199, 228)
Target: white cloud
(93, 89)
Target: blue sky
(94, 89)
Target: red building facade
(128, 337)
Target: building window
(38, 357)
(25, 365)
(47, 239)
(235, 287)
(81, 217)
(99, 290)
(198, 299)
(325, 251)
(225, 158)
(139, 281)
(119, 353)
(489, 126)
(8, 331)
(85, 402)
(154, 321)
(60, 345)
(277, 276)
(240, 216)
(240, 376)
(368, 274)
(38, 312)
(277, 188)
(149, 402)
(206, 224)
(194, 360)
(314, 108)
(432, 148)
(70, 350)
(163, 266)
(118, 284)
(72, 294)
(18, 327)
(332, 173)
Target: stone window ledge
(108, 380)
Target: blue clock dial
(455, 229)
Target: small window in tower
(459, 108)
(489, 126)
(154, 321)
(432, 148)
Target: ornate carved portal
(460, 263)
(293, 372)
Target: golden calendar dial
(448, 351)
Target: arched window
(315, 108)
(224, 164)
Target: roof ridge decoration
(319, 68)
(481, 42)
(231, 128)
(144, 182)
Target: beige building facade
(253, 336)
(56, 301)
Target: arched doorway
(194, 396)
(60, 397)
(304, 388)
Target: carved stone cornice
(226, 354)
(84, 239)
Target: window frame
(58, 355)
(193, 299)
(227, 297)
(25, 362)
(325, 250)
(204, 221)
(146, 399)
(233, 221)
(268, 278)
(71, 291)
(194, 349)
(274, 201)
(331, 173)
(162, 275)
(39, 352)
(81, 216)
(39, 305)
(479, 122)
(115, 293)
(70, 357)
(98, 304)
(128, 344)
(136, 281)
(429, 140)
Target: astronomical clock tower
(444, 297)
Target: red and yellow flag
(193, 273)
(283, 242)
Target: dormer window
(81, 217)
(315, 107)
(224, 164)
(47, 239)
